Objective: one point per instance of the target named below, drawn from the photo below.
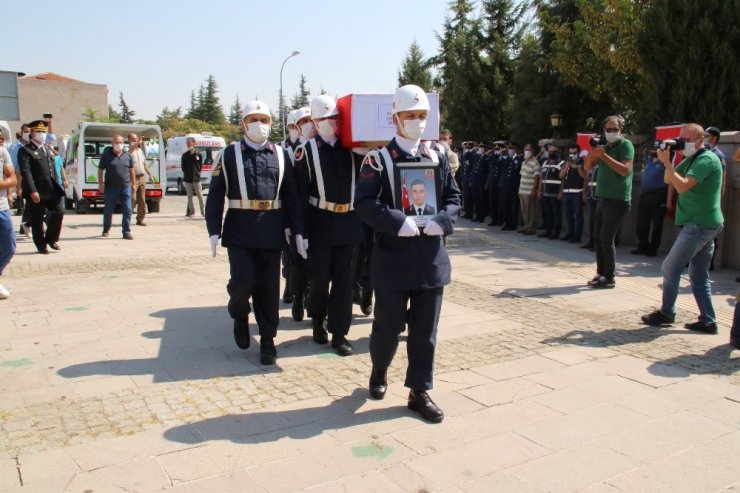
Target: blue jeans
(7, 239)
(573, 205)
(112, 196)
(695, 246)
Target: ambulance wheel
(153, 206)
(180, 187)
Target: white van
(82, 156)
(209, 146)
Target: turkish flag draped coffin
(365, 119)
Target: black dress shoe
(320, 335)
(366, 301)
(588, 245)
(420, 402)
(43, 251)
(342, 345)
(297, 309)
(241, 333)
(268, 353)
(287, 297)
(657, 318)
(378, 383)
(54, 246)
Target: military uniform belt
(572, 190)
(254, 205)
(553, 182)
(330, 206)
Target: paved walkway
(120, 374)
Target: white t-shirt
(5, 162)
(139, 160)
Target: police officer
(572, 194)
(328, 172)
(492, 179)
(257, 179)
(289, 144)
(299, 267)
(589, 196)
(478, 181)
(466, 165)
(508, 186)
(410, 267)
(550, 193)
(41, 188)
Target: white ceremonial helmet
(302, 113)
(291, 119)
(323, 106)
(256, 107)
(410, 98)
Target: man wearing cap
(41, 188)
(409, 267)
(479, 182)
(326, 173)
(550, 192)
(292, 141)
(508, 185)
(256, 177)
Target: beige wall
(65, 100)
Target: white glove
(214, 245)
(408, 228)
(433, 229)
(287, 235)
(301, 246)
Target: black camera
(674, 144)
(598, 140)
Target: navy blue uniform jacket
(38, 172)
(401, 263)
(252, 228)
(323, 227)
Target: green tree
(127, 114)
(414, 69)
(210, 107)
(113, 115)
(303, 96)
(236, 115)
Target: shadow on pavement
(262, 427)
(544, 291)
(612, 337)
(715, 360)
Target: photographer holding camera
(698, 181)
(614, 155)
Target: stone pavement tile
(569, 375)
(8, 473)
(653, 374)
(573, 469)
(518, 368)
(731, 441)
(646, 401)
(218, 457)
(600, 488)
(333, 463)
(88, 482)
(212, 369)
(111, 451)
(568, 356)
(504, 481)
(481, 458)
(22, 378)
(506, 391)
(452, 330)
(47, 467)
(569, 399)
(223, 483)
(699, 390)
(584, 425)
(724, 410)
(104, 385)
(707, 467)
(141, 475)
(65, 391)
(370, 482)
(456, 380)
(661, 437)
(474, 426)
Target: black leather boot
(420, 402)
(378, 383)
(241, 333)
(320, 335)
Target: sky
(157, 52)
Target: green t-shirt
(700, 204)
(609, 183)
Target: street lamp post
(281, 105)
(556, 120)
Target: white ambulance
(210, 147)
(83, 151)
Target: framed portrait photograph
(418, 191)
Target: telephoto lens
(674, 144)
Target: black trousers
(332, 278)
(37, 212)
(255, 274)
(494, 207)
(508, 212)
(609, 216)
(553, 216)
(364, 258)
(650, 215)
(393, 308)
(468, 200)
(480, 196)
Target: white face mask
(413, 129)
(527, 154)
(511, 152)
(690, 149)
(327, 128)
(258, 132)
(444, 144)
(118, 147)
(307, 130)
(573, 157)
(39, 137)
(611, 137)
(707, 144)
(294, 134)
(26, 136)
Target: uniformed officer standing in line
(466, 164)
(409, 267)
(299, 266)
(41, 188)
(329, 171)
(508, 187)
(478, 181)
(257, 179)
(289, 144)
(550, 193)
(493, 164)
